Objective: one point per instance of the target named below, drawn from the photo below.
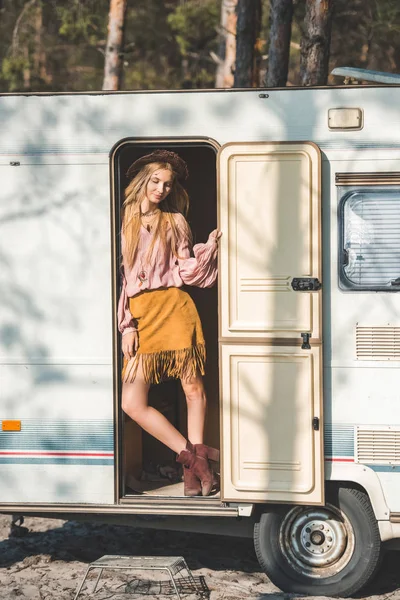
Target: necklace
(142, 276)
(150, 213)
(149, 219)
(148, 224)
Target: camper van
(302, 330)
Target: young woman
(161, 330)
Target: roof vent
(367, 75)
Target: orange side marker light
(11, 425)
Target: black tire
(286, 539)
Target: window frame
(344, 194)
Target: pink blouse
(165, 269)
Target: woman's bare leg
(197, 404)
(135, 405)
(196, 407)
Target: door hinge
(315, 424)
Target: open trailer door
(270, 322)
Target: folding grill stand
(171, 564)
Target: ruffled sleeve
(201, 269)
(126, 322)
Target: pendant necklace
(149, 224)
(142, 275)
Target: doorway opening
(147, 467)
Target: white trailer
(303, 330)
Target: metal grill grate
(378, 343)
(381, 178)
(378, 445)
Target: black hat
(161, 156)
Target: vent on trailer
(377, 445)
(378, 343)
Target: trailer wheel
(331, 550)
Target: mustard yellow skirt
(171, 341)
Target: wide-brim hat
(160, 156)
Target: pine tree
(248, 43)
(315, 42)
(227, 50)
(281, 14)
(113, 63)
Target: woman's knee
(134, 411)
(193, 389)
(133, 404)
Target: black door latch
(306, 284)
(315, 424)
(306, 341)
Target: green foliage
(12, 71)
(365, 34)
(194, 25)
(44, 45)
(386, 16)
(82, 20)
(58, 45)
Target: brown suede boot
(191, 483)
(209, 480)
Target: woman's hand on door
(215, 235)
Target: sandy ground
(49, 561)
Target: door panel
(270, 449)
(269, 209)
(269, 199)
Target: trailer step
(145, 506)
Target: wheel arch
(354, 476)
(359, 477)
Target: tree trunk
(315, 42)
(115, 45)
(27, 70)
(281, 14)
(227, 50)
(39, 54)
(248, 43)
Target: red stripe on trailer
(32, 452)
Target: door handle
(306, 284)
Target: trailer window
(370, 240)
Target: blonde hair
(177, 201)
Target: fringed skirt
(171, 341)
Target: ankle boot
(209, 480)
(191, 483)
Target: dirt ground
(49, 559)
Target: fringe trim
(158, 366)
